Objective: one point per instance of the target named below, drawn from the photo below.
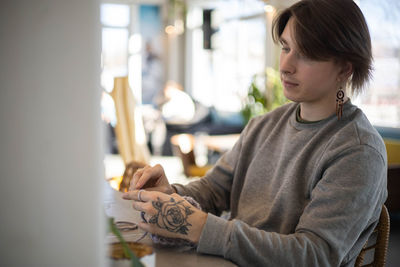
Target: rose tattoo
(171, 215)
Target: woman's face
(305, 80)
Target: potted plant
(265, 94)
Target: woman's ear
(346, 71)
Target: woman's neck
(310, 111)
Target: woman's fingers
(146, 195)
(136, 195)
(136, 177)
(146, 201)
(142, 200)
(151, 177)
(146, 207)
(147, 177)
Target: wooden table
(221, 143)
(122, 210)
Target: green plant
(176, 8)
(265, 94)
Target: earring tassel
(339, 103)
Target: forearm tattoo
(171, 215)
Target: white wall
(50, 134)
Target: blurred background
(206, 67)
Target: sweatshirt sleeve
(344, 207)
(213, 191)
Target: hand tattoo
(171, 216)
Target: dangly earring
(339, 103)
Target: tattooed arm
(168, 215)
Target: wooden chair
(380, 244)
(130, 170)
(393, 177)
(183, 147)
(393, 185)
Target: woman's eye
(302, 56)
(285, 49)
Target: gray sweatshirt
(298, 194)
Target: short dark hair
(330, 29)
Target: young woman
(305, 183)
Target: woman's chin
(290, 96)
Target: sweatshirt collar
(301, 124)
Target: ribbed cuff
(179, 189)
(215, 236)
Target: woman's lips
(289, 84)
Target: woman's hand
(168, 215)
(151, 179)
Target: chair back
(130, 170)
(379, 245)
(183, 147)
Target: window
(115, 34)
(220, 76)
(381, 101)
(115, 20)
(131, 36)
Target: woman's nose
(288, 63)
